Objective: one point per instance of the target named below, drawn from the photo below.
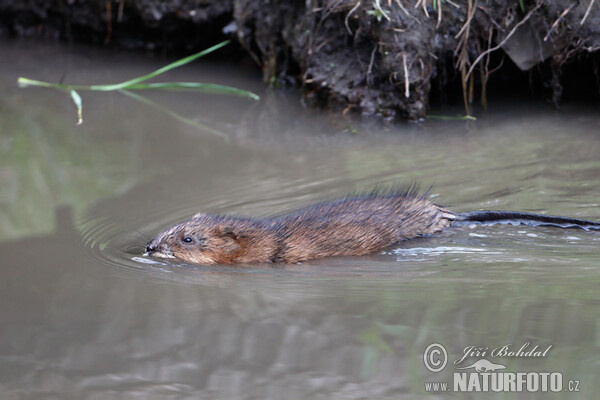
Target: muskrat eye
(187, 239)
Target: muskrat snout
(156, 248)
(149, 248)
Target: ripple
(120, 247)
(116, 238)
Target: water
(84, 315)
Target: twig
(439, 19)
(587, 12)
(503, 42)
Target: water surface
(84, 315)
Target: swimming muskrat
(351, 226)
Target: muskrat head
(203, 240)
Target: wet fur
(352, 226)
(355, 225)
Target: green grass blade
(196, 87)
(174, 114)
(25, 82)
(137, 84)
(77, 100)
(178, 63)
(456, 118)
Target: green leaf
(136, 84)
(174, 114)
(77, 100)
(456, 118)
(197, 87)
(25, 82)
(178, 63)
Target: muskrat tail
(523, 218)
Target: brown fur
(352, 226)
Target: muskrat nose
(149, 247)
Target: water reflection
(84, 315)
(293, 333)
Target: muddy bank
(387, 58)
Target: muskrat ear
(231, 244)
(229, 232)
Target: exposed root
(560, 17)
(587, 12)
(402, 7)
(555, 83)
(463, 57)
(503, 42)
(348, 16)
(108, 8)
(383, 68)
(406, 80)
(470, 14)
(423, 4)
(120, 11)
(370, 69)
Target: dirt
(384, 58)
(176, 25)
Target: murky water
(84, 315)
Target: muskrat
(351, 226)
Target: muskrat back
(351, 226)
(357, 225)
